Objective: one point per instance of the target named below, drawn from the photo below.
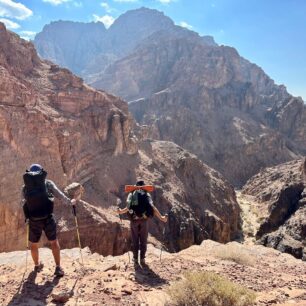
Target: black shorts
(47, 225)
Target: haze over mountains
(87, 49)
(182, 88)
(186, 88)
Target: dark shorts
(47, 225)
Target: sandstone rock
(271, 277)
(186, 89)
(281, 193)
(48, 116)
(210, 101)
(199, 202)
(78, 134)
(61, 297)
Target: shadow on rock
(30, 293)
(146, 276)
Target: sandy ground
(276, 278)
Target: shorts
(47, 225)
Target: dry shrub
(235, 252)
(208, 288)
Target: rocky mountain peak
(144, 18)
(68, 24)
(63, 42)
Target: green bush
(209, 289)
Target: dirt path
(250, 214)
(276, 278)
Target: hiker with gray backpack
(37, 201)
(140, 208)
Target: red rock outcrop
(199, 202)
(47, 115)
(280, 192)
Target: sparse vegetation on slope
(208, 288)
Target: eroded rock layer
(48, 116)
(281, 193)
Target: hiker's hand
(164, 218)
(73, 201)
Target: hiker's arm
(156, 211)
(60, 195)
(159, 216)
(122, 211)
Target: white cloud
(10, 24)
(56, 2)
(184, 24)
(166, 1)
(106, 6)
(16, 10)
(27, 35)
(106, 19)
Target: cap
(35, 168)
(140, 183)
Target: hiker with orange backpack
(140, 208)
(37, 201)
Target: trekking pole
(118, 205)
(78, 233)
(125, 240)
(163, 241)
(27, 244)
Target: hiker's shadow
(30, 293)
(146, 276)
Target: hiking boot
(39, 267)
(59, 271)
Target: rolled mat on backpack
(131, 188)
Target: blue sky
(270, 33)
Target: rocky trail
(250, 214)
(276, 278)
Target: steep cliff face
(212, 102)
(199, 202)
(48, 116)
(280, 192)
